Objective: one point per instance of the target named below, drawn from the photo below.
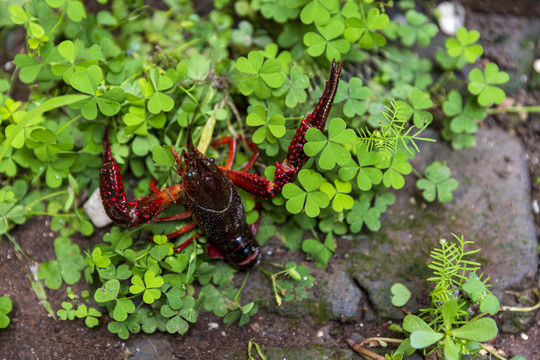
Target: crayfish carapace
(208, 190)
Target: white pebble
(536, 65)
(95, 211)
(524, 336)
(213, 325)
(451, 17)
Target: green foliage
(464, 45)
(5, 308)
(146, 77)
(66, 268)
(482, 84)
(437, 183)
(449, 325)
(400, 294)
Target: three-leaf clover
(464, 45)
(418, 29)
(438, 183)
(264, 75)
(318, 11)
(339, 194)
(67, 311)
(365, 29)
(67, 267)
(463, 118)
(148, 287)
(330, 148)
(88, 82)
(327, 39)
(294, 87)
(178, 311)
(393, 176)
(90, 315)
(160, 101)
(420, 101)
(365, 171)
(322, 252)
(310, 199)
(363, 213)
(270, 128)
(481, 84)
(357, 93)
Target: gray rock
(342, 295)
(491, 207)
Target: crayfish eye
(212, 160)
(189, 175)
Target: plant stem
(68, 123)
(379, 339)
(527, 308)
(363, 351)
(492, 351)
(514, 109)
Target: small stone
(212, 326)
(95, 211)
(524, 336)
(451, 17)
(536, 65)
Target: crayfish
(208, 191)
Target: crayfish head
(204, 183)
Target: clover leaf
(438, 182)
(148, 287)
(294, 87)
(354, 104)
(421, 101)
(322, 252)
(270, 128)
(10, 212)
(463, 120)
(67, 267)
(108, 292)
(5, 308)
(263, 74)
(331, 149)
(318, 11)
(418, 29)
(327, 39)
(339, 194)
(366, 173)
(363, 213)
(463, 45)
(281, 10)
(67, 311)
(310, 199)
(481, 84)
(29, 67)
(160, 101)
(90, 315)
(393, 176)
(88, 82)
(365, 29)
(179, 314)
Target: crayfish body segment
(208, 190)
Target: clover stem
(514, 109)
(240, 290)
(68, 123)
(54, 194)
(527, 308)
